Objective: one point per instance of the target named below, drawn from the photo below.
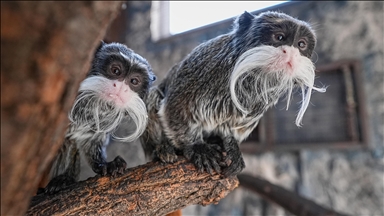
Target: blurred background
(337, 158)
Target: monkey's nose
(117, 84)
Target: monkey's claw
(116, 167)
(204, 156)
(113, 168)
(235, 163)
(166, 153)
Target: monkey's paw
(234, 163)
(166, 153)
(58, 183)
(116, 167)
(205, 156)
(113, 168)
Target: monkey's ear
(152, 77)
(243, 22)
(102, 43)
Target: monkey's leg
(69, 176)
(205, 156)
(233, 158)
(94, 151)
(165, 151)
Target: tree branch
(151, 189)
(290, 201)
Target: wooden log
(154, 188)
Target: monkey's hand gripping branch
(154, 188)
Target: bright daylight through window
(187, 15)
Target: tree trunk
(151, 189)
(46, 48)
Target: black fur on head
(274, 29)
(116, 61)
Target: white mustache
(256, 63)
(92, 110)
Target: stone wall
(349, 181)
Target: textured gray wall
(350, 181)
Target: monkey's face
(128, 72)
(277, 59)
(114, 88)
(277, 29)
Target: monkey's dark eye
(279, 37)
(302, 45)
(135, 81)
(116, 71)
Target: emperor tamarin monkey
(213, 99)
(113, 90)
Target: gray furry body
(112, 92)
(213, 99)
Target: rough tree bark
(46, 48)
(151, 189)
